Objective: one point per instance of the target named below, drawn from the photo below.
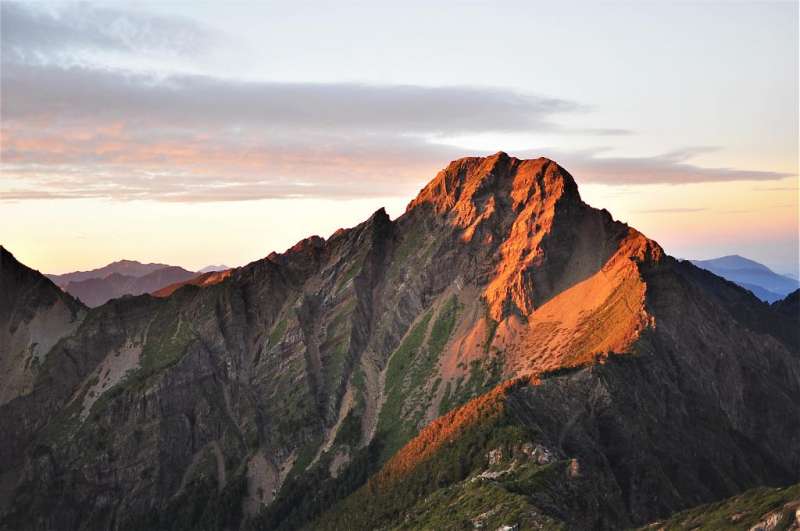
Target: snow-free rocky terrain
(500, 354)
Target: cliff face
(34, 315)
(278, 389)
(704, 406)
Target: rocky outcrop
(34, 316)
(699, 411)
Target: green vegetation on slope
(349, 274)
(304, 497)
(484, 503)
(491, 330)
(443, 327)
(202, 506)
(451, 488)
(167, 339)
(277, 333)
(740, 512)
(410, 377)
(484, 374)
(391, 427)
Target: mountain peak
(538, 241)
(469, 185)
(573, 347)
(214, 268)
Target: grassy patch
(335, 350)
(484, 374)
(409, 378)
(350, 430)
(739, 512)
(412, 245)
(349, 274)
(469, 503)
(277, 333)
(305, 456)
(167, 339)
(444, 492)
(202, 506)
(392, 429)
(491, 330)
(443, 327)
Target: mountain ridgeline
(500, 354)
(126, 277)
(757, 278)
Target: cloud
(88, 132)
(669, 168)
(74, 131)
(84, 96)
(37, 32)
(204, 170)
(777, 189)
(677, 210)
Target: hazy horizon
(366, 214)
(208, 133)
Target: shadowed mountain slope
(34, 315)
(789, 306)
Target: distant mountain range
(758, 278)
(126, 277)
(214, 268)
(130, 268)
(96, 291)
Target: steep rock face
(249, 371)
(542, 280)
(540, 237)
(34, 316)
(277, 390)
(703, 409)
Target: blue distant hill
(758, 278)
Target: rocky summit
(502, 355)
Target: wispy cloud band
(75, 130)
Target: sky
(198, 133)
